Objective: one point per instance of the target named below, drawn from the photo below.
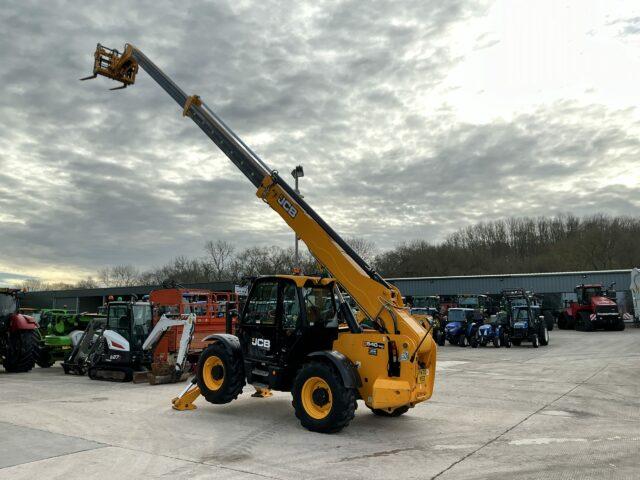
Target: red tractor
(593, 310)
(19, 336)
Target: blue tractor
(462, 326)
(495, 331)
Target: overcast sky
(411, 119)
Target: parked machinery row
(156, 339)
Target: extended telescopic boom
(377, 298)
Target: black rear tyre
(321, 400)
(220, 374)
(22, 351)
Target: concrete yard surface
(570, 410)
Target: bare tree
(119, 276)
(220, 258)
(33, 285)
(88, 282)
(363, 247)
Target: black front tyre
(22, 351)
(220, 374)
(321, 400)
(543, 335)
(462, 341)
(45, 359)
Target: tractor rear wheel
(393, 413)
(220, 374)
(22, 351)
(321, 400)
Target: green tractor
(60, 332)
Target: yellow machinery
(297, 333)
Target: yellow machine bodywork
(378, 301)
(378, 390)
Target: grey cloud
(98, 177)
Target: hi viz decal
(288, 207)
(261, 343)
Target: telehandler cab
(297, 333)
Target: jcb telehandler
(297, 333)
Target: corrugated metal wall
(494, 284)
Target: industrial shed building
(89, 299)
(554, 286)
(556, 282)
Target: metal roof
(506, 275)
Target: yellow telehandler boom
(400, 378)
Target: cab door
(260, 321)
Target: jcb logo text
(286, 204)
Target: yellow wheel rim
(213, 373)
(316, 398)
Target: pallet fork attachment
(110, 63)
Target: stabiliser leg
(185, 400)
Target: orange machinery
(216, 312)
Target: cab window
(261, 307)
(319, 305)
(291, 306)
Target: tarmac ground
(568, 410)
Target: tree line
(513, 245)
(521, 245)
